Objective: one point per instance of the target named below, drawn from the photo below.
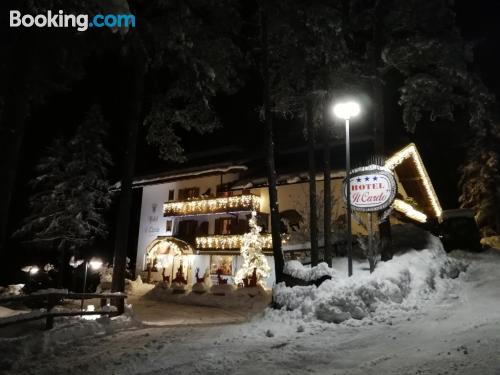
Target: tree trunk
(313, 217)
(380, 10)
(132, 105)
(327, 191)
(270, 162)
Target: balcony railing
(204, 206)
(228, 242)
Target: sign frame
(372, 170)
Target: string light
(410, 151)
(409, 211)
(229, 241)
(251, 252)
(200, 206)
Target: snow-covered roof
(179, 174)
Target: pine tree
(253, 258)
(481, 180)
(71, 191)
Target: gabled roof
(410, 170)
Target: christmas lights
(201, 206)
(254, 261)
(409, 211)
(410, 151)
(229, 241)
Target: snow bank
(298, 270)
(67, 331)
(405, 282)
(11, 290)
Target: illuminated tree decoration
(253, 258)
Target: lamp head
(34, 270)
(95, 264)
(346, 110)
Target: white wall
(152, 222)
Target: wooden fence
(52, 299)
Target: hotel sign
(373, 188)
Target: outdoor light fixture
(345, 111)
(94, 264)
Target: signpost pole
(348, 182)
(371, 256)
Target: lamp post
(345, 111)
(94, 264)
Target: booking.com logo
(79, 21)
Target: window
(224, 225)
(187, 193)
(169, 226)
(171, 195)
(223, 263)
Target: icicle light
(410, 151)
(229, 241)
(201, 206)
(409, 211)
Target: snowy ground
(457, 331)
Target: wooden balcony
(212, 205)
(228, 243)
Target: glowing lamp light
(95, 264)
(346, 110)
(34, 270)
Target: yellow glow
(410, 151)
(244, 202)
(229, 241)
(409, 211)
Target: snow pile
(405, 282)
(296, 269)
(11, 290)
(67, 332)
(137, 287)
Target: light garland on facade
(229, 241)
(409, 211)
(411, 151)
(201, 206)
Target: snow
(5, 312)
(441, 326)
(406, 282)
(296, 269)
(11, 290)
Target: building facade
(194, 219)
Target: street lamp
(345, 111)
(94, 264)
